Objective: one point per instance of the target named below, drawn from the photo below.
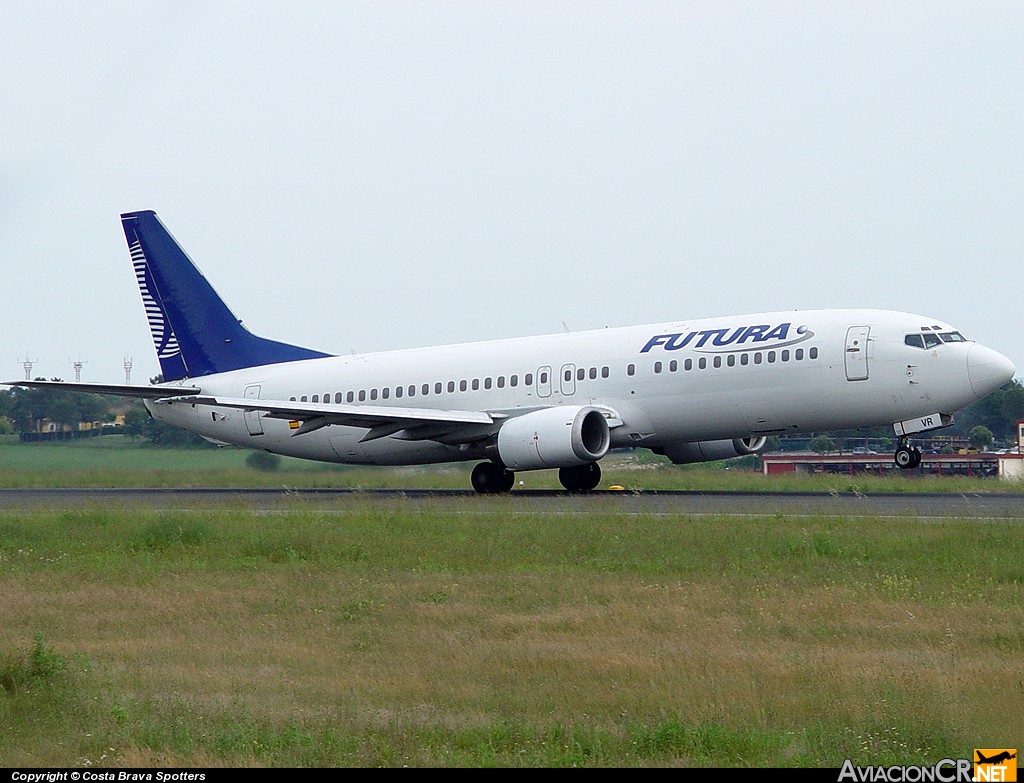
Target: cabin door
(252, 418)
(857, 353)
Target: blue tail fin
(193, 330)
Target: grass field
(114, 461)
(468, 632)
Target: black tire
(917, 457)
(508, 480)
(490, 478)
(904, 458)
(580, 478)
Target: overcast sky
(382, 175)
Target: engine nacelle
(684, 452)
(557, 437)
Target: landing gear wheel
(904, 458)
(917, 457)
(490, 478)
(580, 478)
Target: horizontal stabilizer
(112, 389)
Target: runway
(686, 503)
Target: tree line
(25, 412)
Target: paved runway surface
(923, 505)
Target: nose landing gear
(906, 458)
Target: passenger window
(337, 398)
(385, 393)
(316, 398)
(412, 390)
(785, 356)
(657, 367)
(604, 372)
(744, 359)
(673, 366)
(718, 361)
(362, 395)
(528, 379)
(568, 375)
(813, 353)
(702, 363)
(798, 354)
(487, 383)
(501, 381)
(688, 365)
(451, 386)
(476, 384)
(731, 360)
(631, 370)
(543, 378)
(373, 394)
(350, 397)
(462, 386)
(581, 374)
(771, 357)
(757, 358)
(593, 373)
(399, 391)
(292, 399)
(513, 380)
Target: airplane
(692, 390)
(996, 759)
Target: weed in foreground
(19, 673)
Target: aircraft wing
(449, 426)
(112, 389)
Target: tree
(823, 444)
(998, 412)
(981, 437)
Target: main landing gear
(580, 478)
(906, 458)
(490, 478)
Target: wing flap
(380, 420)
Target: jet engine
(685, 452)
(559, 437)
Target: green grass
(474, 632)
(114, 461)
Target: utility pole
(78, 369)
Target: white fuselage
(710, 379)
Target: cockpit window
(931, 340)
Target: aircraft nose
(987, 370)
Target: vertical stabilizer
(194, 332)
